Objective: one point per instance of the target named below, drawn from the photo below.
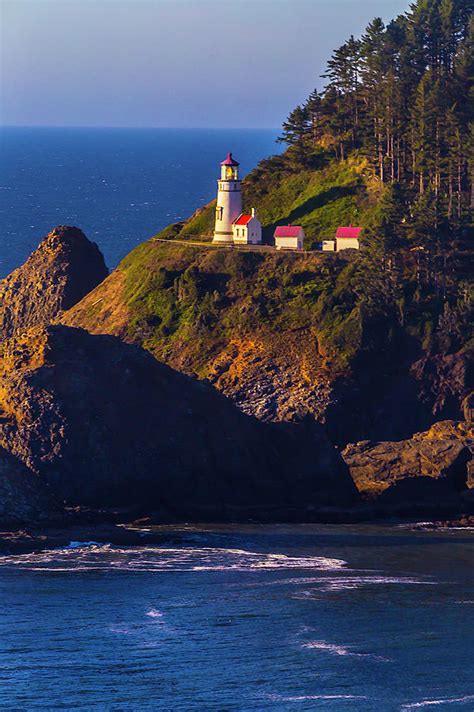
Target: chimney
(253, 212)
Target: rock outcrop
(441, 453)
(445, 382)
(57, 275)
(105, 424)
(24, 498)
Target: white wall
(346, 243)
(328, 245)
(289, 243)
(229, 198)
(250, 234)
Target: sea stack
(229, 200)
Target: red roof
(229, 161)
(243, 219)
(288, 231)
(352, 232)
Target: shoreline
(139, 532)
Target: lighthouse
(229, 200)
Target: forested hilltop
(385, 332)
(402, 97)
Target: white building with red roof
(229, 201)
(348, 238)
(289, 237)
(247, 229)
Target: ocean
(120, 186)
(243, 618)
(223, 618)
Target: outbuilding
(247, 229)
(348, 238)
(328, 245)
(289, 237)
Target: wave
(305, 698)
(82, 544)
(341, 650)
(435, 703)
(81, 556)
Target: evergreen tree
(297, 131)
(403, 95)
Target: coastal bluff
(59, 273)
(104, 424)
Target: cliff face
(58, 274)
(24, 497)
(103, 423)
(282, 335)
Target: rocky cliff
(283, 335)
(103, 424)
(24, 497)
(58, 274)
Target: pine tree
(297, 132)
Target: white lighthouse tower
(229, 200)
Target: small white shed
(328, 246)
(348, 238)
(289, 237)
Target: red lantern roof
(351, 232)
(229, 161)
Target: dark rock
(58, 274)
(444, 383)
(24, 498)
(421, 493)
(105, 424)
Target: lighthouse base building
(247, 230)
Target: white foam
(434, 703)
(330, 647)
(78, 556)
(304, 698)
(153, 613)
(341, 650)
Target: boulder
(105, 424)
(57, 275)
(376, 466)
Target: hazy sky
(183, 63)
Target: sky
(169, 63)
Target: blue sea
(223, 618)
(243, 618)
(120, 186)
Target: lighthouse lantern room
(229, 200)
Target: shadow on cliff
(313, 203)
(114, 427)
